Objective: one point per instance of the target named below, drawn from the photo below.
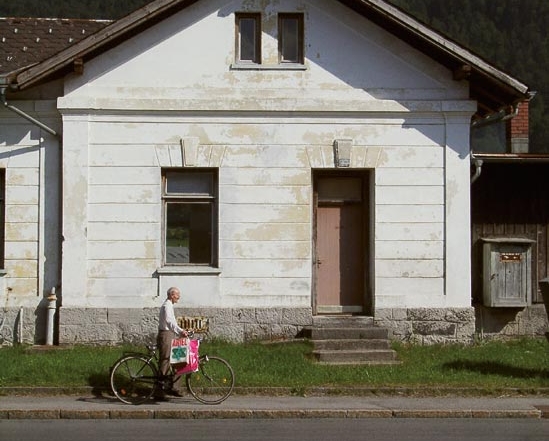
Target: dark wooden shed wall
(511, 200)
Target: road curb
(270, 403)
(473, 392)
(53, 414)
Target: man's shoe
(174, 393)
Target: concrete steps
(350, 340)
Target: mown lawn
(522, 364)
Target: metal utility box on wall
(507, 272)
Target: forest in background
(510, 34)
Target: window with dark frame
(248, 38)
(190, 217)
(290, 38)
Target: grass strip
(520, 364)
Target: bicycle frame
(135, 376)
(176, 373)
(152, 358)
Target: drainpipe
(20, 336)
(23, 114)
(478, 168)
(502, 115)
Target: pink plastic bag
(192, 365)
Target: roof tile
(26, 41)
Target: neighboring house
(276, 160)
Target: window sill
(251, 66)
(188, 270)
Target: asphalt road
(324, 429)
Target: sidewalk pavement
(104, 406)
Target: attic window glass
(248, 38)
(290, 38)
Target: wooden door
(340, 245)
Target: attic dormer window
(290, 38)
(248, 38)
(281, 49)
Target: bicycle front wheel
(133, 379)
(213, 382)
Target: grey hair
(171, 290)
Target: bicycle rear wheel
(213, 383)
(133, 379)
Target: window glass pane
(189, 183)
(340, 189)
(188, 233)
(247, 34)
(290, 38)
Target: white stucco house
(276, 160)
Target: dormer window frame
(291, 38)
(248, 38)
(290, 41)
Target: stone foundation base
(23, 325)
(507, 323)
(429, 325)
(117, 325)
(111, 326)
(463, 325)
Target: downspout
(20, 333)
(500, 116)
(478, 168)
(23, 114)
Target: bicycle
(135, 378)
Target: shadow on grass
(100, 383)
(496, 368)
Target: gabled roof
(492, 88)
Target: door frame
(366, 176)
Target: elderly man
(168, 329)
